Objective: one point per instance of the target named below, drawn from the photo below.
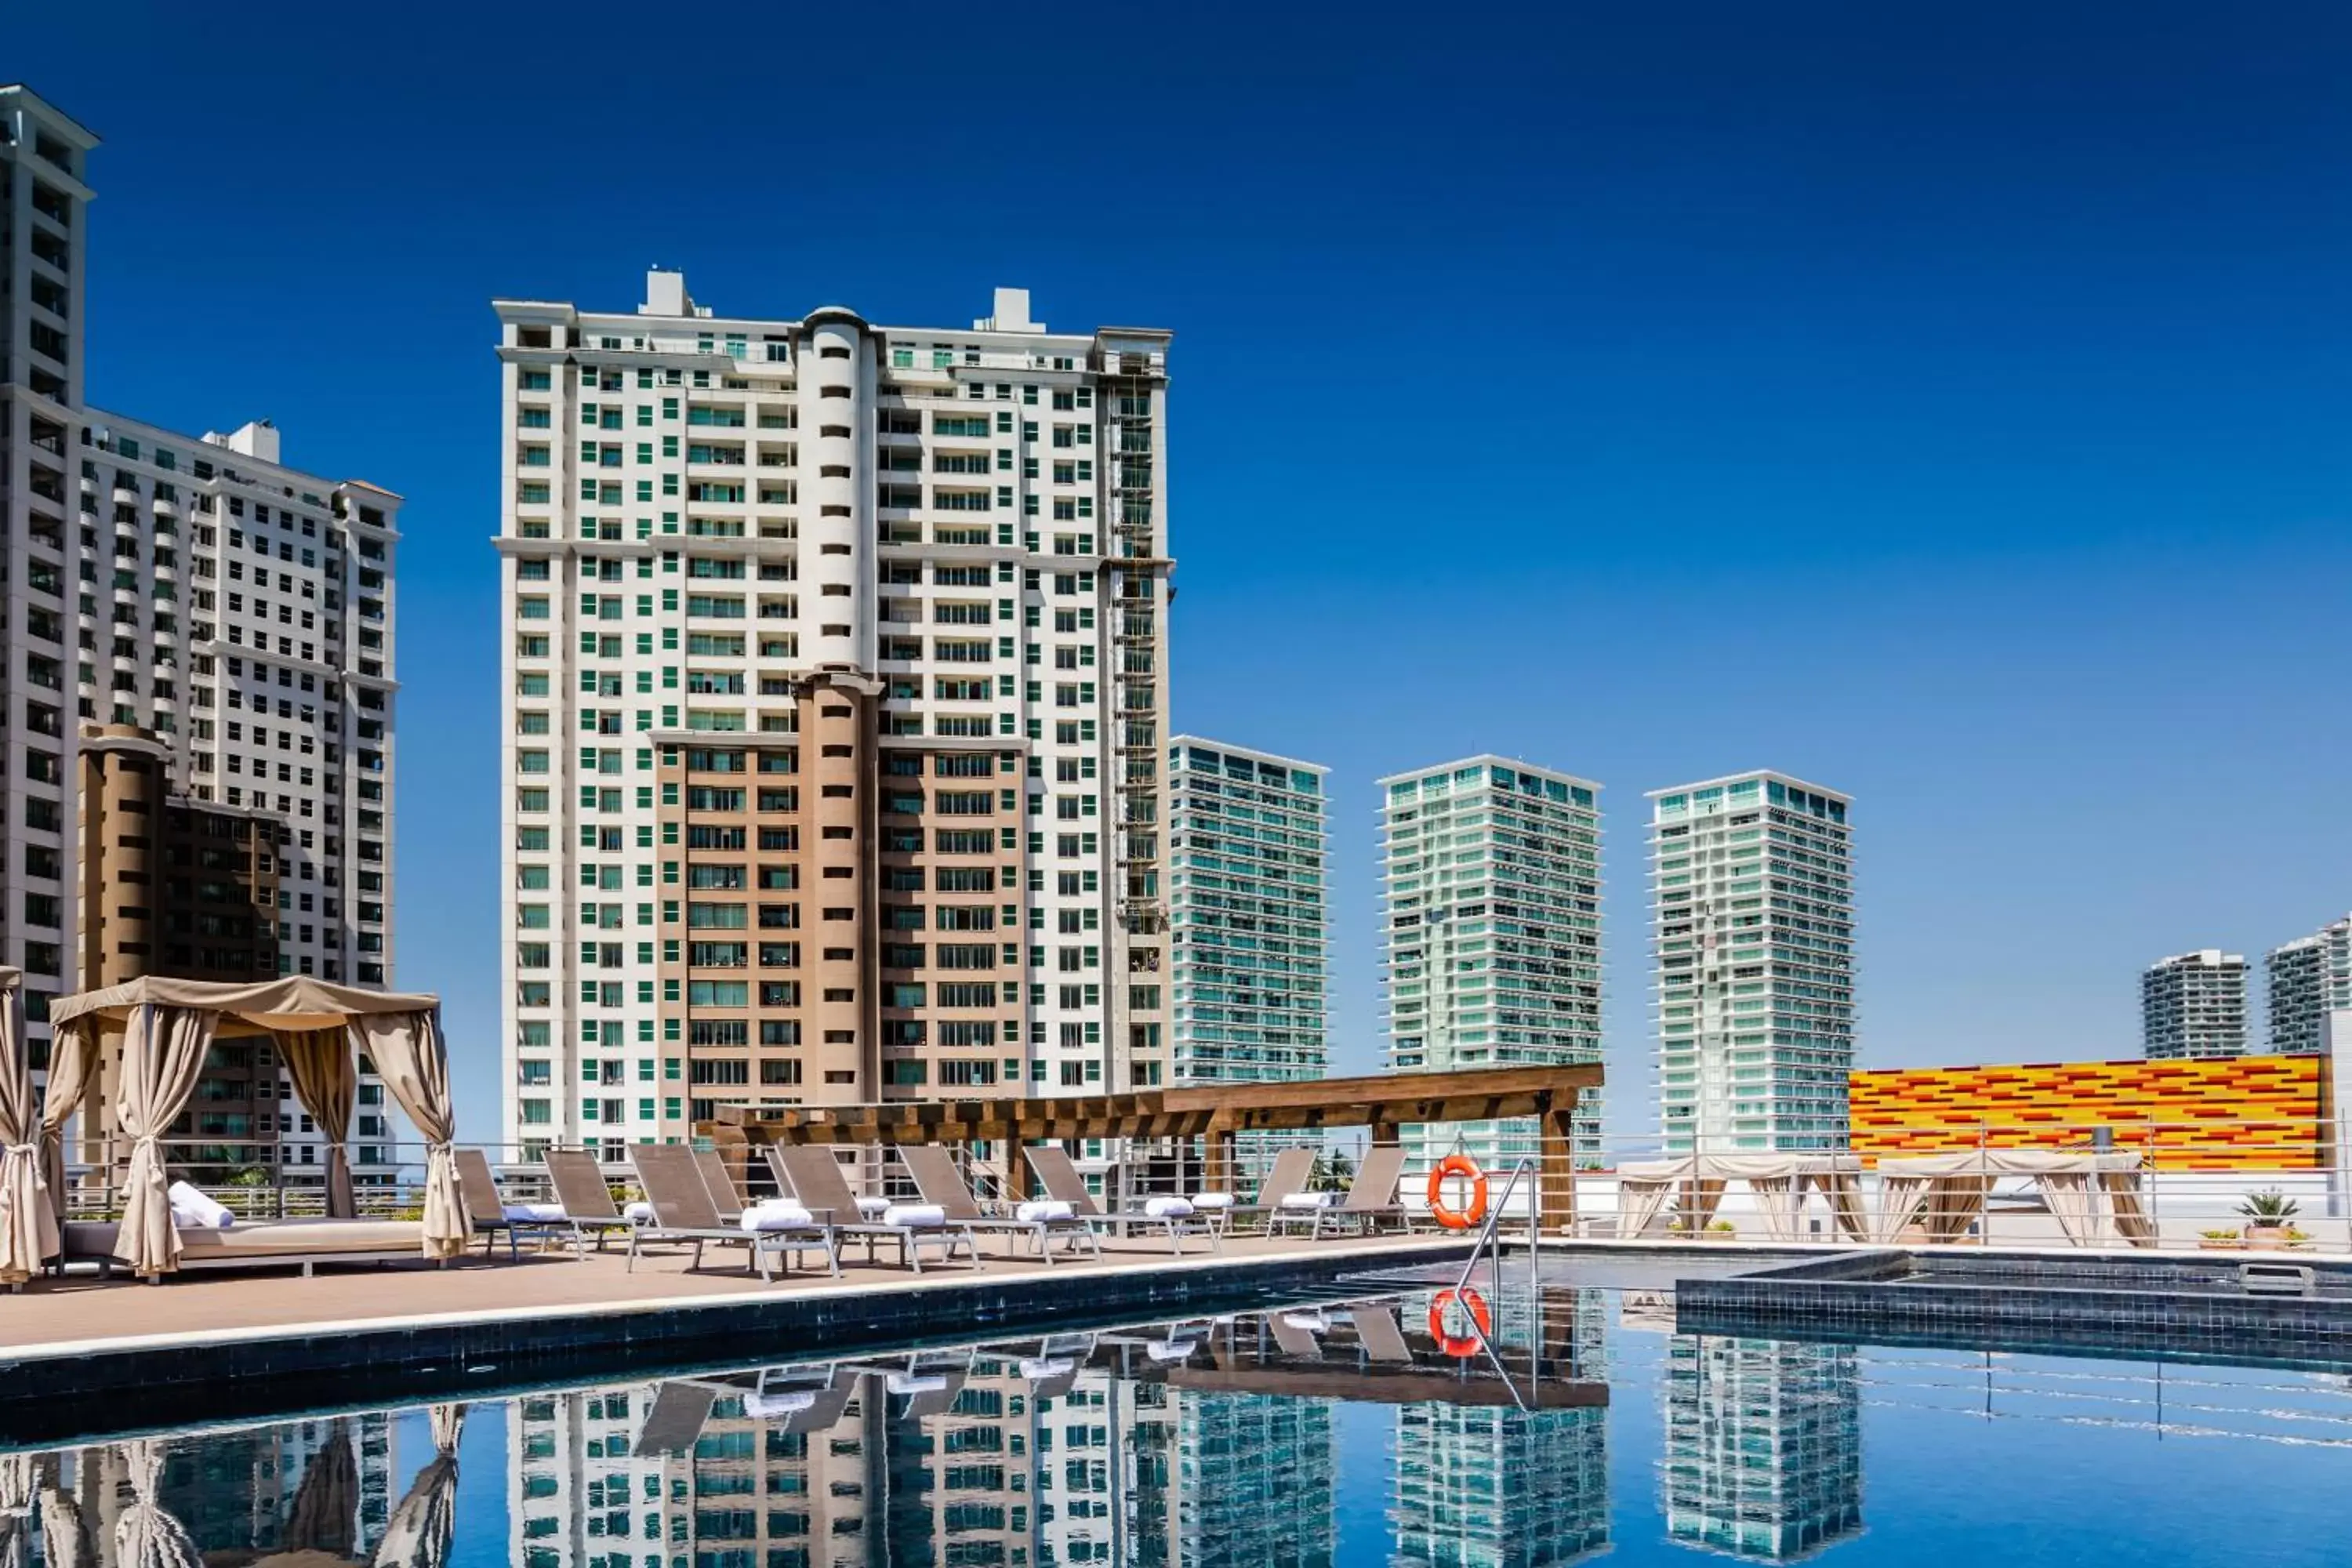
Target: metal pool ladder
(1484, 1245)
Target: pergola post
(1218, 1155)
(1557, 1168)
(1016, 1171)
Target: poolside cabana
(1780, 1183)
(320, 1031)
(2095, 1197)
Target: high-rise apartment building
(2194, 1004)
(195, 589)
(2309, 978)
(1752, 894)
(1248, 897)
(1491, 948)
(835, 698)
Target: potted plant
(2222, 1240)
(1722, 1230)
(2266, 1214)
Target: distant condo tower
(1753, 888)
(2310, 977)
(1491, 951)
(2194, 1004)
(1250, 913)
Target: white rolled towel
(534, 1213)
(1171, 1349)
(1038, 1210)
(1313, 1322)
(1037, 1369)
(1168, 1208)
(914, 1382)
(871, 1207)
(1308, 1200)
(774, 1214)
(190, 1210)
(915, 1216)
(639, 1213)
(761, 1407)
(1213, 1200)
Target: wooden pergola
(1217, 1115)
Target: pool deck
(258, 1338)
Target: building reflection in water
(1763, 1446)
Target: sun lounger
(256, 1243)
(720, 1184)
(1371, 1195)
(934, 1171)
(582, 1195)
(493, 1216)
(683, 1212)
(1296, 1332)
(814, 1177)
(1287, 1180)
(1061, 1180)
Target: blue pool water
(1342, 1434)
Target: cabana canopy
(320, 1030)
(1944, 1193)
(1778, 1181)
(270, 1007)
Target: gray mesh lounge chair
(488, 1210)
(815, 1178)
(1377, 1333)
(719, 1184)
(1372, 1196)
(587, 1202)
(683, 1212)
(1292, 1332)
(1061, 1180)
(1289, 1177)
(934, 1171)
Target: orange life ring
(1457, 1166)
(1459, 1346)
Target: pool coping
(50, 1393)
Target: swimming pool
(1349, 1432)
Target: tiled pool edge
(256, 1371)
(2098, 1303)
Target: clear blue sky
(1952, 408)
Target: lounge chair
(720, 1184)
(1298, 1333)
(683, 1212)
(1282, 1195)
(814, 1177)
(805, 1400)
(943, 1185)
(581, 1192)
(1371, 1195)
(493, 1216)
(1061, 1180)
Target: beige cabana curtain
(414, 1062)
(65, 1530)
(1642, 1190)
(73, 1069)
(146, 1536)
(1901, 1195)
(326, 1082)
(1780, 1200)
(1842, 1186)
(28, 1227)
(2073, 1204)
(162, 1052)
(422, 1527)
(2122, 1188)
(324, 1516)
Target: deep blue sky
(1948, 406)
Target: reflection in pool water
(1364, 1432)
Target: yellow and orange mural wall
(2218, 1113)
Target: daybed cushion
(262, 1240)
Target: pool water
(1345, 1433)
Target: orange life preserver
(1459, 1346)
(1457, 1166)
